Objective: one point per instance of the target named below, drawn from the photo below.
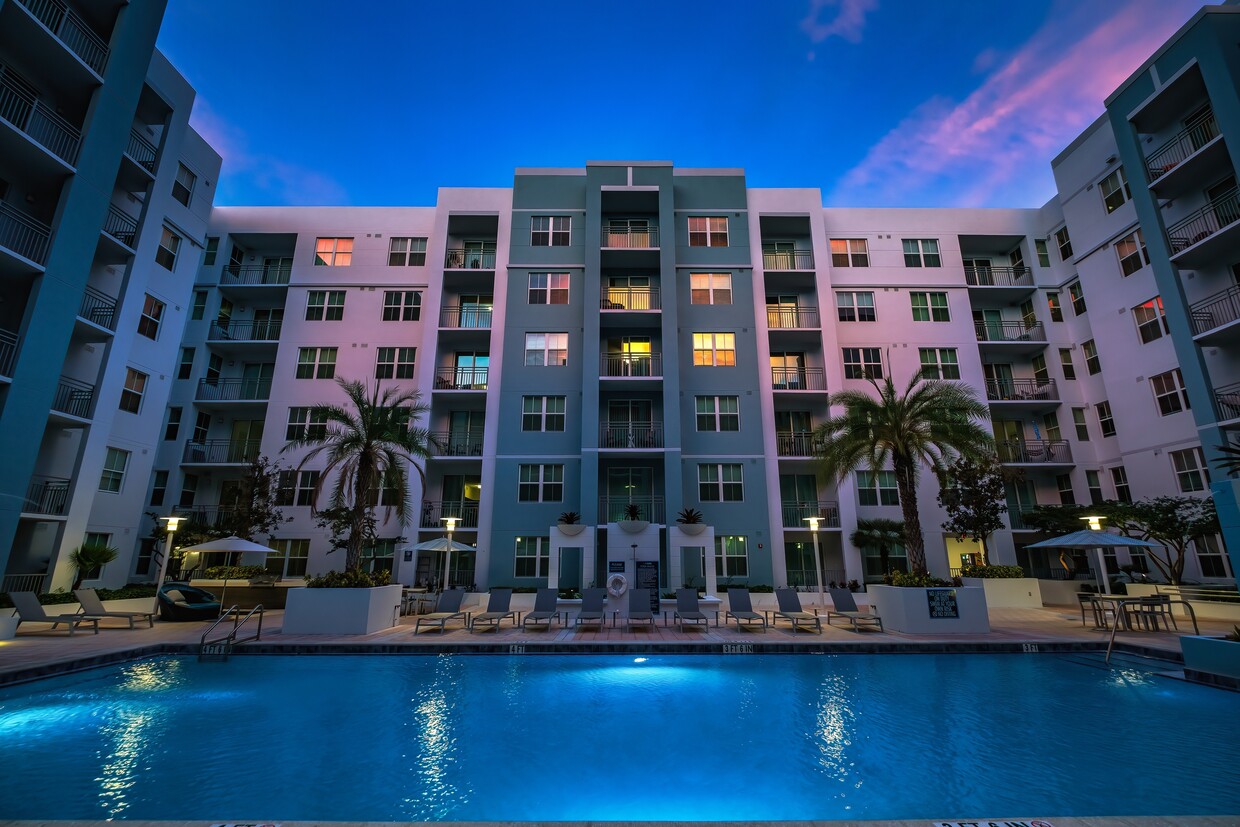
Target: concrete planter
(633, 526)
(692, 529)
(571, 529)
(341, 611)
(1009, 593)
(1211, 655)
(908, 610)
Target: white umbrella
(254, 553)
(447, 546)
(1097, 540)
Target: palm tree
(880, 533)
(930, 423)
(368, 445)
(90, 557)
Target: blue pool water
(608, 737)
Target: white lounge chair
(93, 607)
(30, 610)
(845, 606)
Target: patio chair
(497, 610)
(30, 610)
(1153, 609)
(183, 602)
(545, 608)
(687, 609)
(740, 609)
(92, 606)
(639, 608)
(448, 608)
(845, 606)
(1086, 600)
(591, 613)
(790, 610)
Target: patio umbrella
(252, 554)
(447, 546)
(1097, 540)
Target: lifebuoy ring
(617, 585)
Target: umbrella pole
(1103, 577)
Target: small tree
(880, 533)
(88, 557)
(1174, 522)
(974, 499)
(252, 511)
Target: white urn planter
(633, 526)
(8, 627)
(1009, 592)
(571, 529)
(692, 529)
(341, 611)
(910, 610)
(1211, 655)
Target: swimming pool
(548, 737)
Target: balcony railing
(631, 364)
(434, 511)
(460, 259)
(20, 107)
(22, 234)
(98, 308)
(788, 260)
(1227, 399)
(796, 512)
(47, 495)
(459, 443)
(1168, 156)
(631, 435)
(72, 31)
(233, 390)
(235, 330)
(632, 238)
(783, 316)
(1215, 311)
(1009, 332)
(630, 298)
(121, 226)
(1205, 222)
(1020, 390)
(24, 583)
(1031, 451)
(142, 151)
(8, 352)
(798, 379)
(205, 516)
(460, 379)
(466, 317)
(614, 509)
(794, 444)
(221, 451)
(998, 276)
(256, 274)
(73, 398)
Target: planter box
(908, 610)
(633, 526)
(341, 611)
(692, 529)
(1211, 655)
(1009, 593)
(571, 529)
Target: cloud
(847, 22)
(995, 146)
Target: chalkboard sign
(648, 578)
(942, 603)
(615, 567)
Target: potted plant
(633, 522)
(690, 520)
(569, 523)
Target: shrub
(355, 579)
(761, 589)
(1235, 635)
(917, 580)
(993, 572)
(61, 598)
(689, 516)
(233, 572)
(570, 594)
(569, 518)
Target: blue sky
(875, 102)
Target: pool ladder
(219, 648)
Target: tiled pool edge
(1090, 821)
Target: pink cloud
(848, 21)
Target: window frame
(880, 486)
(1150, 317)
(319, 366)
(932, 309)
(169, 248)
(721, 482)
(542, 354)
(1093, 364)
(713, 293)
(937, 365)
(134, 391)
(706, 233)
(849, 252)
(1077, 295)
(1197, 471)
(151, 317)
(853, 308)
(402, 306)
(557, 229)
(1114, 184)
(867, 362)
(395, 362)
(1066, 364)
(305, 422)
(1132, 254)
(1172, 397)
(554, 286)
(543, 416)
(112, 478)
(1064, 242)
(527, 565)
(1106, 418)
(720, 354)
(545, 486)
(333, 251)
(924, 252)
(414, 248)
(716, 416)
(328, 308)
(186, 186)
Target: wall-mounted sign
(942, 603)
(615, 567)
(648, 578)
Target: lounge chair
(93, 607)
(687, 609)
(448, 608)
(740, 609)
(183, 602)
(845, 606)
(639, 607)
(591, 608)
(497, 610)
(546, 604)
(30, 610)
(790, 610)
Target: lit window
(333, 252)
(930, 307)
(114, 465)
(1169, 392)
(708, 231)
(714, 349)
(1092, 363)
(546, 349)
(406, 252)
(542, 413)
(731, 556)
(863, 363)
(551, 231)
(1078, 298)
(1106, 421)
(135, 387)
(394, 362)
(1052, 304)
(316, 363)
(1114, 190)
(169, 245)
(710, 288)
(548, 288)
(877, 488)
(325, 305)
(849, 252)
(1151, 320)
(1132, 253)
(1190, 469)
(532, 557)
(855, 306)
(939, 363)
(1064, 242)
(152, 313)
(921, 252)
(718, 413)
(722, 482)
(540, 484)
(183, 186)
(402, 305)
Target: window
(1092, 365)
(306, 423)
(1106, 421)
(316, 363)
(1210, 556)
(548, 288)
(1050, 424)
(333, 252)
(532, 557)
(185, 368)
(877, 488)
(1094, 482)
(1065, 243)
(546, 349)
(159, 488)
(710, 288)
(325, 305)
(152, 314)
(394, 362)
(1044, 257)
(855, 306)
(930, 307)
(540, 484)
(173, 428)
(1064, 483)
(292, 558)
(731, 557)
(551, 231)
(939, 363)
(199, 308)
(1190, 470)
(1169, 392)
(1120, 478)
(542, 413)
(189, 489)
(1082, 427)
(183, 186)
(849, 252)
(406, 252)
(1114, 190)
(114, 465)
(720, 482)
(1040, 373)
(714, 349)
(296, 487)
(1078, 298)
(863, 363)
(1132, 253)
(212, 250)
(202, 426)
(169, 245)
(1053, 305)
(718, 413)
(1151, 320)
(402, 305)
(921, 252)
(1028, 317)
(1065, 362)
(135, 387)
(708, 231)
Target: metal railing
(788, 260)
(71, 30)
(794, 444)
(461, 379)
(1227, 400)
(205, 516)
(1205, 222)
(98, 308)
(221, 451)
(795, 513)
(74, 398)
(461, 259)
(121, 226)
(1009, 332)
(613, 509)
(233, 390)
(630, 298)
(8, 352)
(24, 235)
(142, 151)
(798, 379)
(1201, 594)
(255, 274)
(1034, 450)
(1185, 143)
(630, 237)
(1020, 390)
(459, 443)
(47, 495)
(1217, 310)
(235, 330)
(20, 107)
(998, 276)
(220, 648)
(24, 583)
(631, 435)
(434, 512)
(783, 316)
(630, 364)
(466, 317)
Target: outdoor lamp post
(171, 524)
(813, 527)
(447, 555)
(1095, 524)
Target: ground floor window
(291, 560)
(879, 561)
(1210, 557)
(731, 557)
(379, 557)
(532, 557)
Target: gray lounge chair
(687, 609)
(845, 606)
(30, 610)
(790, 610)
(546, 604)
(448, 608)
(740, 609)
(93, 607)
(591, 613)
(639, 607)
(497, 610)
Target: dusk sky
(875, 102)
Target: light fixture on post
(447, 554)
(813, 527)
(171, 524)
(1095, 524)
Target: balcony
(461, 379)
(234, 330)
(631, 366)
(221, 452)
(1033, 392)
(73, 399)
(467, 317)
(630, 298)
(98, 308)
(122, 227)
(1000, 283)
(1034, 452)
(1207, 234)
(24, 236)
(1213, 319)
(434, 512)
(47, 496)
(71, 30)
(255, 275)
(462, 259)
(775, 260)
(795, 513)
(794, 443)
(141, 151)
(782, 316)
(8, 353)
(458, 443)
(233, 390)
(205, 516)
(1010, 337)
(798, 379)
(631, 435)
(137, 163)
(613, 509)
(630, 238)
(1227, 403)
(20, 106)
(1180, 147)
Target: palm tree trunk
(914, 542)
(361, 491)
